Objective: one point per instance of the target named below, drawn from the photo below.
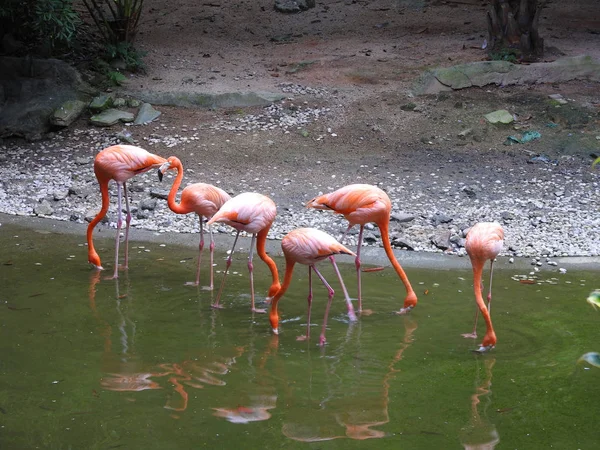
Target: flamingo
(309, 246)
(484, 242)
(201, 198)
(253, 213)
(361, 204)
(119, 163)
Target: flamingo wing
(310, 245)
(204, 199)
(249, 211)
(485, 240)
(359, 203)
(122, 162)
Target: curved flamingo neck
(90, 229)
(261, 243)
(173, 205)
(477, 275)
(385, 236)
(287, 279)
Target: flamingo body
(250, 212)
(119, 163)
(361, 204)
(484, 242)
(308, 246)
(253, 213)
(200, 198)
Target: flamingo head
(172, 163)
(410, 301)
(274, 319)
(94, 260)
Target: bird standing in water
(253, 213)
(361, 204)
(484, 243)
(309, 246)
(201, 198)
(119, 163)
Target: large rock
(67, 113)
(146, 114)
(31, 90)
(111, 117)
(208, 100)
(503, 73)
(293, 6)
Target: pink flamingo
(484, 242)
(119, 163)
(361, 204)
(253, 213)
(309, 246)
(201, 198)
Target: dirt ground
(365, 55)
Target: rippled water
(146, 363)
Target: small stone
(119, 102)
(499, 116)
(402, 217)
(159, 193)
(133, 103)
(61, 194)
(43, 209)
(101, 102)
(148, 204)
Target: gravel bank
(548, 208)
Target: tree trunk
(513, 30)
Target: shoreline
(223, 242)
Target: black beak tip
(160, 175)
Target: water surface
(144, 362)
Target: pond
(144, 362)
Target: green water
(90, 363)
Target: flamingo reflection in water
(347, 411)
(480, 434)
(124, 371)
(255, 400)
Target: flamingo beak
(275, 331)
(162, 169)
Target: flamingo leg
(351, 314)
(229, 258)
(330, 294)
(200, 248)
(489, 297)
(473, 335)
(212, 252)
(119, 224)
(251, 270)
(127, 223)
(357, 263)
(343, 238)
(309, 299)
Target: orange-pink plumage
(308, 246)
(361, 204)
(200, 198)
(119, 163)
(484, 242)
(253, 213)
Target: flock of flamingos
(254, 213)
